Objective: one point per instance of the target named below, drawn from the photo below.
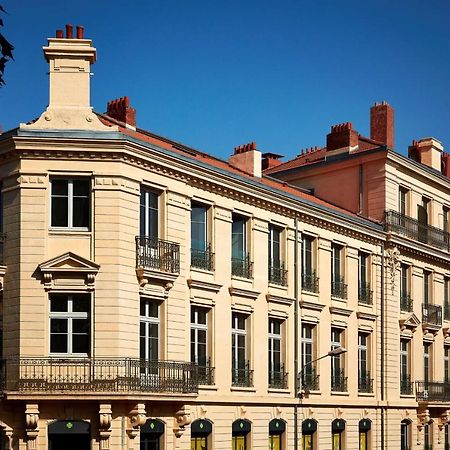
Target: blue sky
(216, 74)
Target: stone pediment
(69, 271)
(409, 321)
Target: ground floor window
(240, 434)
(152, 433)
(364, 429)
(277, 428)
(309, 428)
(337, 434)
(69, 435)
(200, 431)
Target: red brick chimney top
(121, 110)
(382, 123)
(342, 136)
(341, 127)
(245, 148)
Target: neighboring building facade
(156, 297)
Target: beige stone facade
(155, 297)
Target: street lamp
(335, 352)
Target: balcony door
(422, 218)
(149, 206)
(69, 435)
(149, 337)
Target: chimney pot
(80, 32)
(69, 31)
(59, 34)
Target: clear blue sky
(219, 73)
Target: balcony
(278, 378)
(310, 381)
(206, 373)
(339, 288)
(339, 381)
(242, 376)
(278, 274)
(433, 391)
(406, 302)
(406, 385)
(242, 267)
(365, 384)
(431, 315)
(157, 255)
(202, 259)
(120, 375)
(446, 311)
(365, 295)
(310, 282)
(411, 228)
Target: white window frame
(196, 326)
(235, 333)
(272, 337)
(149, 320)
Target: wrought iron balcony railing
(278, 378)
(411, 228)
(339, 382)
(431, 314)
(406, 302)
(365, 384)
(365, 295)
(433, 391)
(406, 385)
(278, 274)
(156, 254)
(310, 282)
(242, 376)
(206, 374)
(202, 259)
(338, 288)
(446, 312)
(98, 375)
(242, 267)
(309, 381)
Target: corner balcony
(433, 391)
(411, 228)
(94, 375)
(431, 316)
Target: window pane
(58, 303)
(60, 187)
(80, 343)
(81, 212)
(59, 212)
(58, 326)
(80, 326)
(81, 188)
(58, 343)
(81, 303)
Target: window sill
(208, 387)
(342, 394)
(366, 394)
(278, 391)
(312, 293)
(69, 231)
(338, 299)
(411, 396)
(245, 280)
(242, 389)
(278, 286)
(204, 271)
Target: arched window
(337, 434)
(152, 433)
(200, 431)
(240, 434)
(69, 434)
(276, 429)
(309, 428)
(405, 435)
(364, 428)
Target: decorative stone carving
(7, 430)
(105, 419)
(31, 425)
(181, 421)
(423, 419)
(392, 262)
(136, 418)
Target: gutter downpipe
(382, 347)
(296, 328)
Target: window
(403, 201)
(277, 428)
(149, 206)
(152, 433)
(446, 363)
(240, 260)
(277, 274)
(405, 435)
(405, 364)
(241, 374)
(70, 327)
(445, 217)
(70, 203)
(426, 287)
(426, 363)
(309, 428)
(364, 380)
(149, 336)
(422, 217)
(446, 298)
(427, 437)
(364, 427)
(338, 287)
(446, 436)
(405, 296)
(277, 375)
(200, 432)
(364, 292)
(338, 378)
(337, 434)
(310, 378)
(201, 255)
(199, 344)
(310, 282)
(240, 434)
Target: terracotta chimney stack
(121, 110)
(342, 136)
(248, 159)
(382, 124)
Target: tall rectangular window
(338, 378)
(445, 217)
(70, 325)
(199, 344)
(240, 260)
(309, 276)
(241, 374)
(402, 201)
(405, 364)
(275, 356)
(309, 375)
(364, 291)
(446, 363)
(149, 331)
(446, 298)
(277, 274)
(201, 254)
(149, 207)
(338, 287)
(426, 287)
(70, 203)
(364, 380)
(405, 295)
(427, 362)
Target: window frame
(147, 211)
(148, 320)
(272, 339)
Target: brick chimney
(427, 151)
(382, 123)
(121, 110)
(342, 137)
(445, 166)
(270, 160)
(247, 159)
(70, 60)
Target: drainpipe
(382, 312)
(296, 328)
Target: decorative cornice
(305, 304)
(246, 293)
(409, 321)
(203, 285)
(366, 316)
(340, 311)
(271, 298)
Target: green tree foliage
(6, 50)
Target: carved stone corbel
(105, 419)
(423, 419)
(7, 433)
(31, 425)
(136, 418)
(181, 421)
(444, 419)
(392, 262)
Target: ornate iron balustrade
(433, 391)
(99, 375)
(431, 314)
(206, 374)
(339, 288)
(309, 381)
(242, 267)
(202, 259)
(278, 378)
(156, 254)
(406, 302)
(446, 312)
(406, 385)
(339, 382)
(365, 384)
(278, 274)
(411, 228)
(365, 295)
(242, 376)
(310, 282)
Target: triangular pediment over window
(69, 271)
(409, 321)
